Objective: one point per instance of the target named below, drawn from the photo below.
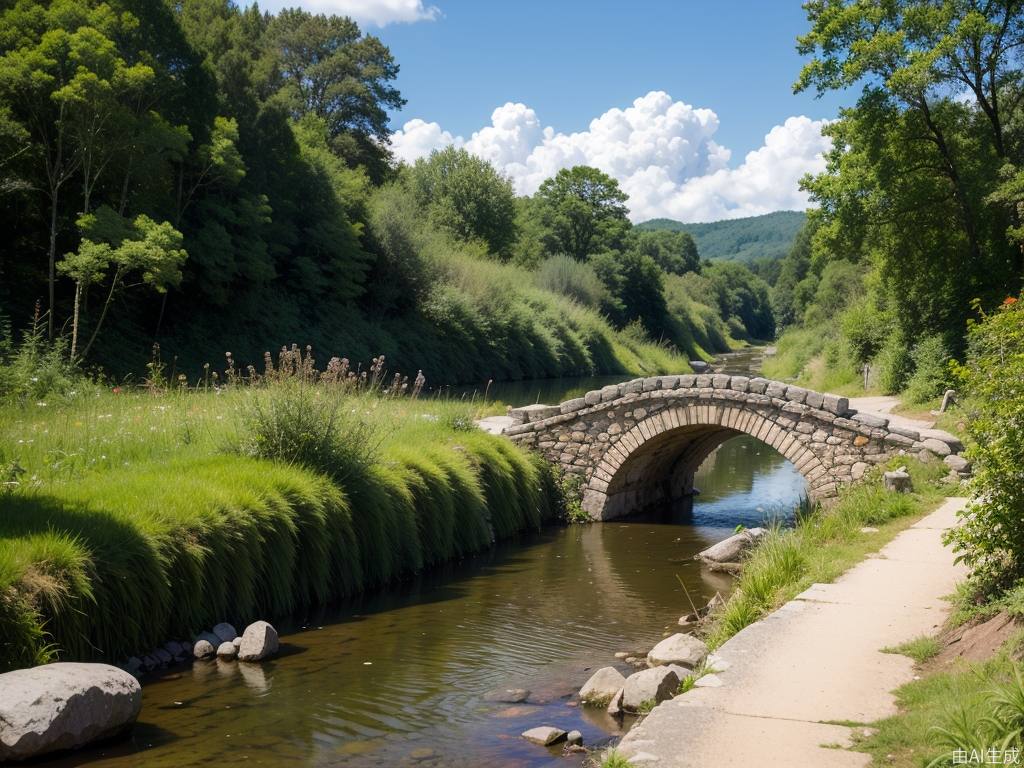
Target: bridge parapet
(638, 443)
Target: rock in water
(615, 705)
(574, 737)
(62, 706)
(685, 650)
(655, 684)
(227, 651)
(203, 649)
(258, 642)
(507, 695)
(731, 549)
(544, 735)
(225, 632)
(602, 687)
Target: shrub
(894, 363)
(564, 275)
(991, 538)
(865, 330)
(313, 426)
(931, 370)
(35, 368)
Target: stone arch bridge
(638, 444)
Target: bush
(564, 275)
(36, 368)
(316, 427)
(991, 538)
(894, 364)
(931, 370)
(865, 329)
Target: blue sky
(691, 102)
(571, 61)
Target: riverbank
(791, 689)
(133, 517)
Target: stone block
(870, 419)
(757, 385)
(593, 397)
(571, 406)
(814, 399)
(652, 384)
(609, 393)
(835, 404)
(739, 383)
(796, 394)
(720, 381)
(776, 389)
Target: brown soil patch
(975, 642)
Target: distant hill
(744, 240)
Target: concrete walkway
(815, 661)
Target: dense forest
(214, 178)
(749, 239)
(916, 225)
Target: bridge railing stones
(829, 442)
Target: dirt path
(883, 404)
(786, 680)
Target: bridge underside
(659, 474)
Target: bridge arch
(638, 444)
(655, 460)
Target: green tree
(324, 66)
(141, 247)
(674, 252)
(635, 288)
(990, 538)
(465, 195)
(584, 212)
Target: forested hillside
(748, 240)
(214, 179)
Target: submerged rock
(258, 642)
(62, 706)
(602, 687)
(685, 650)
(544, 735)
(655, 684)
(507, 695)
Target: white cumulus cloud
(661, 151)
(376, 12)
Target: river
(404, 677)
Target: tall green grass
(135, 523)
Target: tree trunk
(52, 277)
(103, 312)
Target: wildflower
(116, 390)
(41, 404)
(1010, 301)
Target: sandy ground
(784, 682)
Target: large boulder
(731, 550)
(258, 642)
(602, 686)
(63, 706)
(685, 650)
(655, 684)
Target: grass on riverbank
(128, 520)
(823, 545)
(971, 706)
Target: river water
(406, 677)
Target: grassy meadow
(133, 516)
